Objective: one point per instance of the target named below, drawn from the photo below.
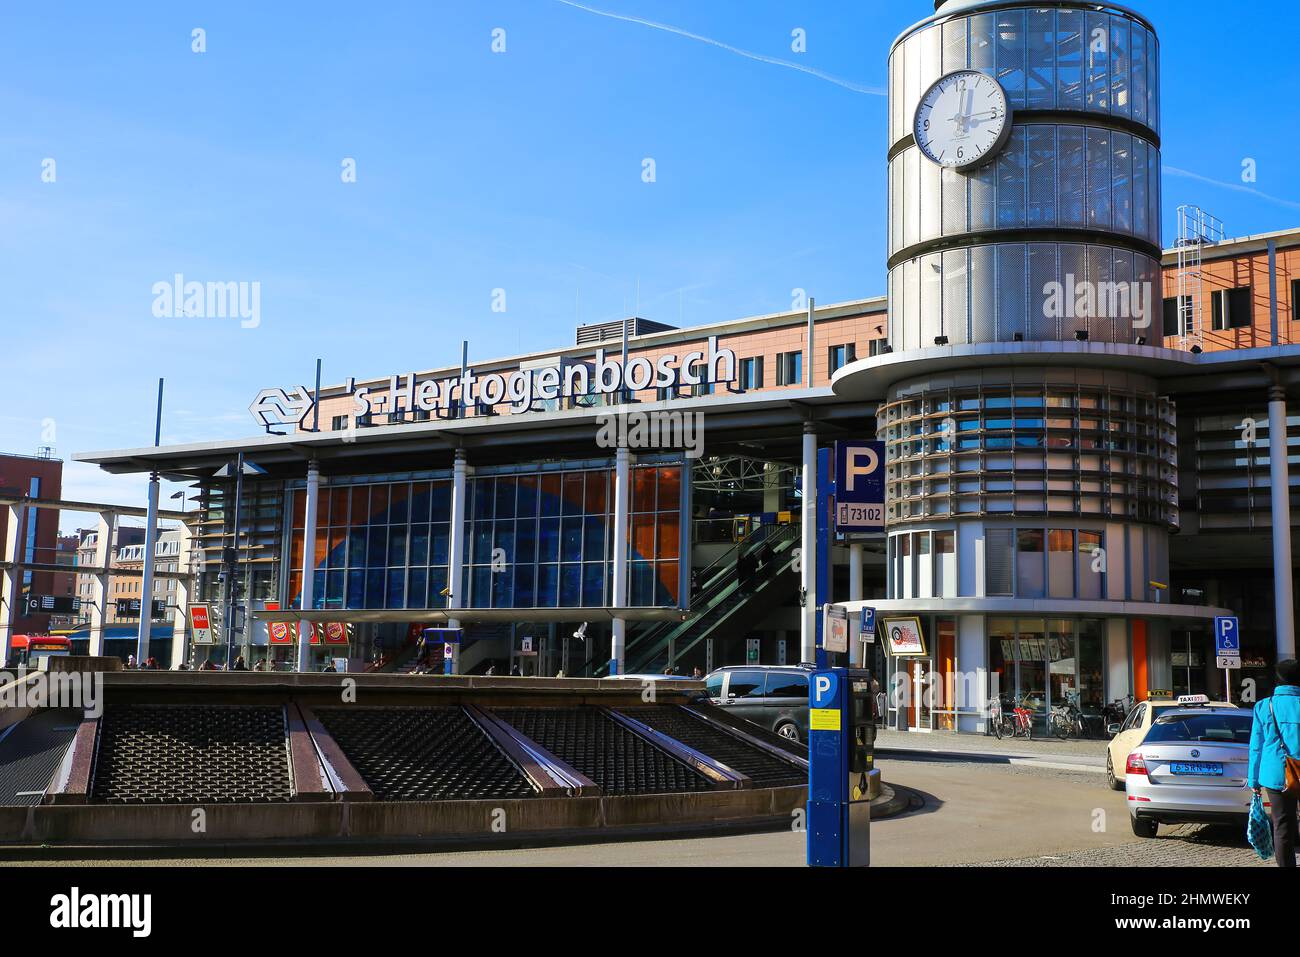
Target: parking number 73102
(860, 514)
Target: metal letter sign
(1227, 642)
(860, 486)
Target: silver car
(1190, 768)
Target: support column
(99, 582)
(1280, 490)
(618, 634)
(855, 594)
(184, 586)
(456, 547)
(308, 562)
(10, 581)
(808, 549)
(146, 581)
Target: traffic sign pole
(1227, 649)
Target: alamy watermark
(82, 690)
(1085, 299)
(658, 430)
(208, 300)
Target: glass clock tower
(1031, 460)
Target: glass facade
(1030, 449)
(998, 292)
(1099, 61)
(1040, 661)
(380, 545)
(1047, 177)
(535, 538)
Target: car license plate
(1204, 768)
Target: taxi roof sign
(1193, 699)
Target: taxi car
(1190, 768)
(1127, 736)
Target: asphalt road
(975, 812)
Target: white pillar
(184, 586)
(456, 546)
(855, 594)
(146, 581)
(10, 581)
(622, 487)
(808, 549)
(1280, 490)
(308, 562)
(99, 581)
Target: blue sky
(477, 171)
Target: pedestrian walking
(1275, 757)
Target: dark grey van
(772, 696)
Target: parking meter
(841, 774)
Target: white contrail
(856, 88)
(1239, 187)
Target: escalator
(730, 596)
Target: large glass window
(373, 545)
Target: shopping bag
(1259, 829)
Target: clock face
(962, 121)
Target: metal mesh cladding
(423, 754)
(592, 743)
(765, 770)
(189, 754)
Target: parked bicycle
(1023, 722)
(1068, 720)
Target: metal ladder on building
(1196, 230)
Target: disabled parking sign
(1227, 642)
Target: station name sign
(520, 389)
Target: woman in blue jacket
(1274, 735)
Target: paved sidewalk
(1047, 752)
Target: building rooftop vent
(605, 331)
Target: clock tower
(1031, 465)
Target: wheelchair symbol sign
(1227, 640)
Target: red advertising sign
(336, 633)
(200, 624)
(281, 632)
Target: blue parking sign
(868, 621)
(1227, 639)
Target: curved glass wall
(1047, 177)
(1095, 61)
(1025, 448)
(1037, 291)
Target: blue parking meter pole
(841, 733)
(825, 492)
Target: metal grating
(597, 746)
(765, 770)
(424, 754)
(189, 754)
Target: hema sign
(523, 388)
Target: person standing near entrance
(1275, 743)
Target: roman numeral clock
(962, 121)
